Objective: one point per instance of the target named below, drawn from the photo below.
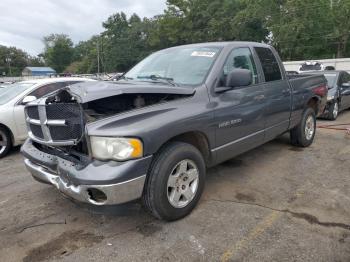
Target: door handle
(259, 97)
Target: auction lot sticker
(203, 53)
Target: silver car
(13, 130)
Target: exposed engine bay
(117, 100)
(110, 106)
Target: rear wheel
(333, 111)
(303, 134)
(5, 142)
(175, 182)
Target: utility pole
(98, 57)
(8, 60)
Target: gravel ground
(275, 203)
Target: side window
(269, 64)
(345, 78)
(240, 58)
(47, 89)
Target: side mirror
(236, 78)
(28, 99)
(239, 77)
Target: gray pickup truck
(153, 133)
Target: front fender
(156, 125)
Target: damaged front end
(59, 120)
(58, 151)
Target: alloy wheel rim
(309, 128)
(3, 142)
(183, 183)
(335, 110)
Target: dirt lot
(275, 203)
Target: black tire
(333, 111)
(298, 134)
(155, 196)
(5, 142)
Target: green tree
(298, 29)
(340, 17)
(15, 60)
(85, 57)
(191, 21)
(124, 41)
(303, 30)
(58, 51)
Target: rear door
(239, 113)
(277, 93)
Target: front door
(239, 113)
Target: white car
(13, 129)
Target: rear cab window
(269, 63)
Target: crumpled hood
(90, 91)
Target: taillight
(321, 90)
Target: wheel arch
(10, 132)
(313, 103)
(197, 139)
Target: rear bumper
(112, 183)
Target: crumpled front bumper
(87, 184)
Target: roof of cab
(224, 44)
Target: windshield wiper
(125, 77)
(162, 79)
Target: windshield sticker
(203, 53)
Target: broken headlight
(120, 149)
(329, 98)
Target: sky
(24, 23)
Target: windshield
(9, 92)
(185, 66)
(331, 78)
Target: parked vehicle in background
(311, 66)
(338, 98)
(153, 133)
(13, 97)
(4, 84)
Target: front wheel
(333, 111)
(175, 182)
(304, 133)
(5, 142)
